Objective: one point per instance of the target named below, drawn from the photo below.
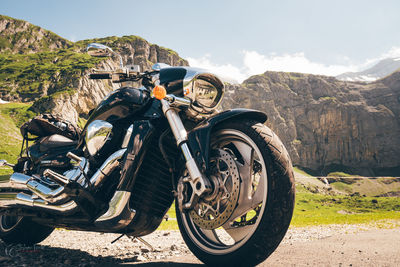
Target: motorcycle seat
(55, 141)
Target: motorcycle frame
(194, 145)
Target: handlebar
(100, 76)
(122, 75)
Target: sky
(235, 38)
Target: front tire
(264, 208)
(22, 230)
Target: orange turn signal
(159, 92)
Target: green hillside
(31, 76)
(12, 115)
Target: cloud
(227, 72)
(256, 63)
(297, 62)
(394, 52)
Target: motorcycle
(142, 148)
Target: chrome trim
(43, 191)
(26, 199)
(19, 178)
(175, 122)
(192, 73)
(4, 162)
(158, 66)
(107, 167)
(75, 174)
(100, 50)
(118, 215)
(178, 101)
(200, 185)
(97, 134)
(191, 165)
(24, 182)
(10, 200)
(189, 91)
(127, 137)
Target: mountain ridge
(53, 73)
(378, 71)
(325, 123)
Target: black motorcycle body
(137, 153)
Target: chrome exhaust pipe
(107, 167)
(46, 199)
(18, 181)
(24, 182)
(23, 200)
(118, 215)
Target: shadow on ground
(19, 255)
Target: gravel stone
(75, 248)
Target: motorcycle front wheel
(244, 223)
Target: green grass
(31, 76)
(316, 209)
(367, 187)
(302, 172)
(12, 115)
(342, 187)
(339, 174)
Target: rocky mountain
(19, 36)
(325, 123)
(39, 66)
(328, 124)
(378, 71)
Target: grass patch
(28, 75)
(342, 187)
(12, 116)
(339, 174)
(302, 172)
(316, 209)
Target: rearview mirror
(99, 50)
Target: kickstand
(118, 238)
(141, 240)
(133, 238)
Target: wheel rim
(244, 221)
(7, 223)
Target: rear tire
(265, 230)
(22, 230)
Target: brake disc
(214, 211)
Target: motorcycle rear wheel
(22, 230)
(264, 208)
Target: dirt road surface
(334, 245)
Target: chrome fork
(199, 184)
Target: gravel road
(333, 245)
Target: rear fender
(199, 137)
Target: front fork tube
(198, 183)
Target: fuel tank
(119, 104)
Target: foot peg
(4, 162)
(61, 179)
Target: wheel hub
(215, 209)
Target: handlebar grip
(99, 76)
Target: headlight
(206, 91)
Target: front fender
(199, 137)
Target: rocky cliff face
(19, 36)
(328, 124)
(325, 123)
(88, 93)
(54, 74)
